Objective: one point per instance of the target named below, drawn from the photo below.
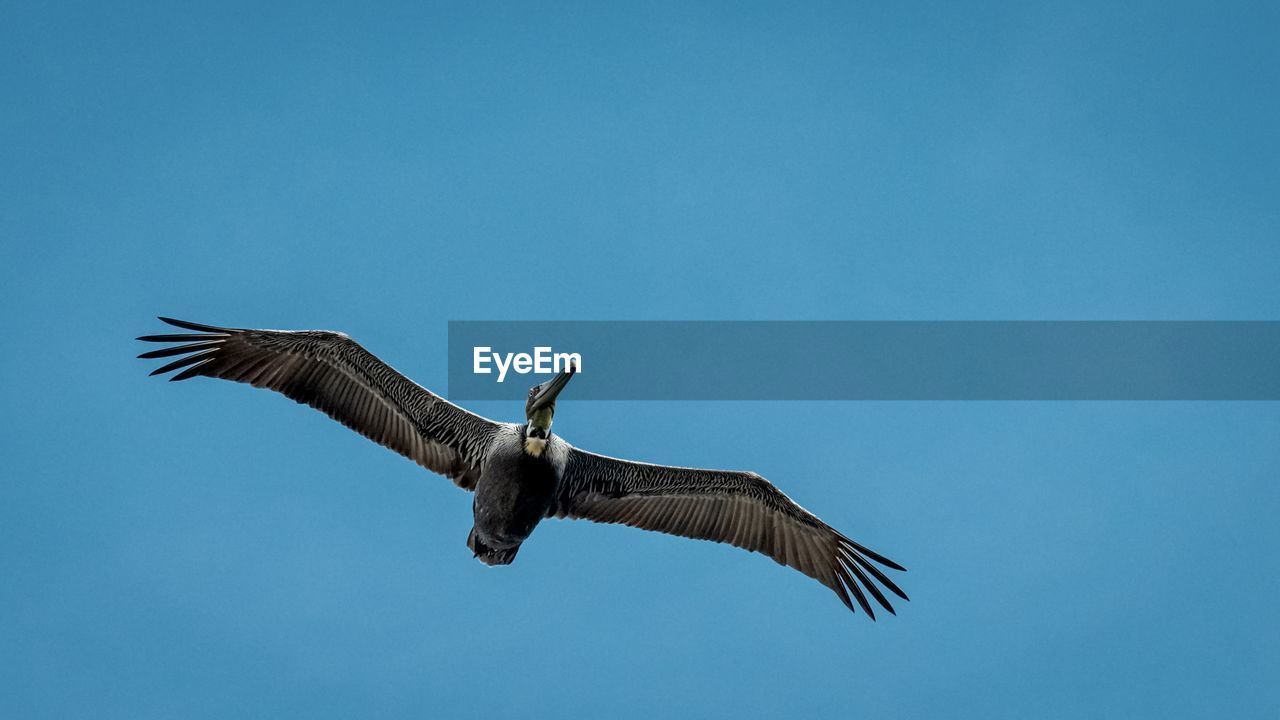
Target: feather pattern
(729, 506)
(332, 373)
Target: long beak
(548, 390)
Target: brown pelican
(522, 473)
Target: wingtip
(188, 325)
(880, 558)
(864, 550)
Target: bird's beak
(548, 390)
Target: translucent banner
(870, 360)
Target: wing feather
(739, 508)
(332, 373)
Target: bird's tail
(488, 555)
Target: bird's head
(539, 410)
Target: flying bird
(522, 473)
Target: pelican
(522, 473)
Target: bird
(522, 473)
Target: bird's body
(515, 491)
(522, 473)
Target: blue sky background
(208, 550)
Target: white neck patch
(534, 446)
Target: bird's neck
(535, 440)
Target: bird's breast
(514, 492)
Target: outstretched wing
(740, 508)
(332, 373)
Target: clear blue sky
(209, 550)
